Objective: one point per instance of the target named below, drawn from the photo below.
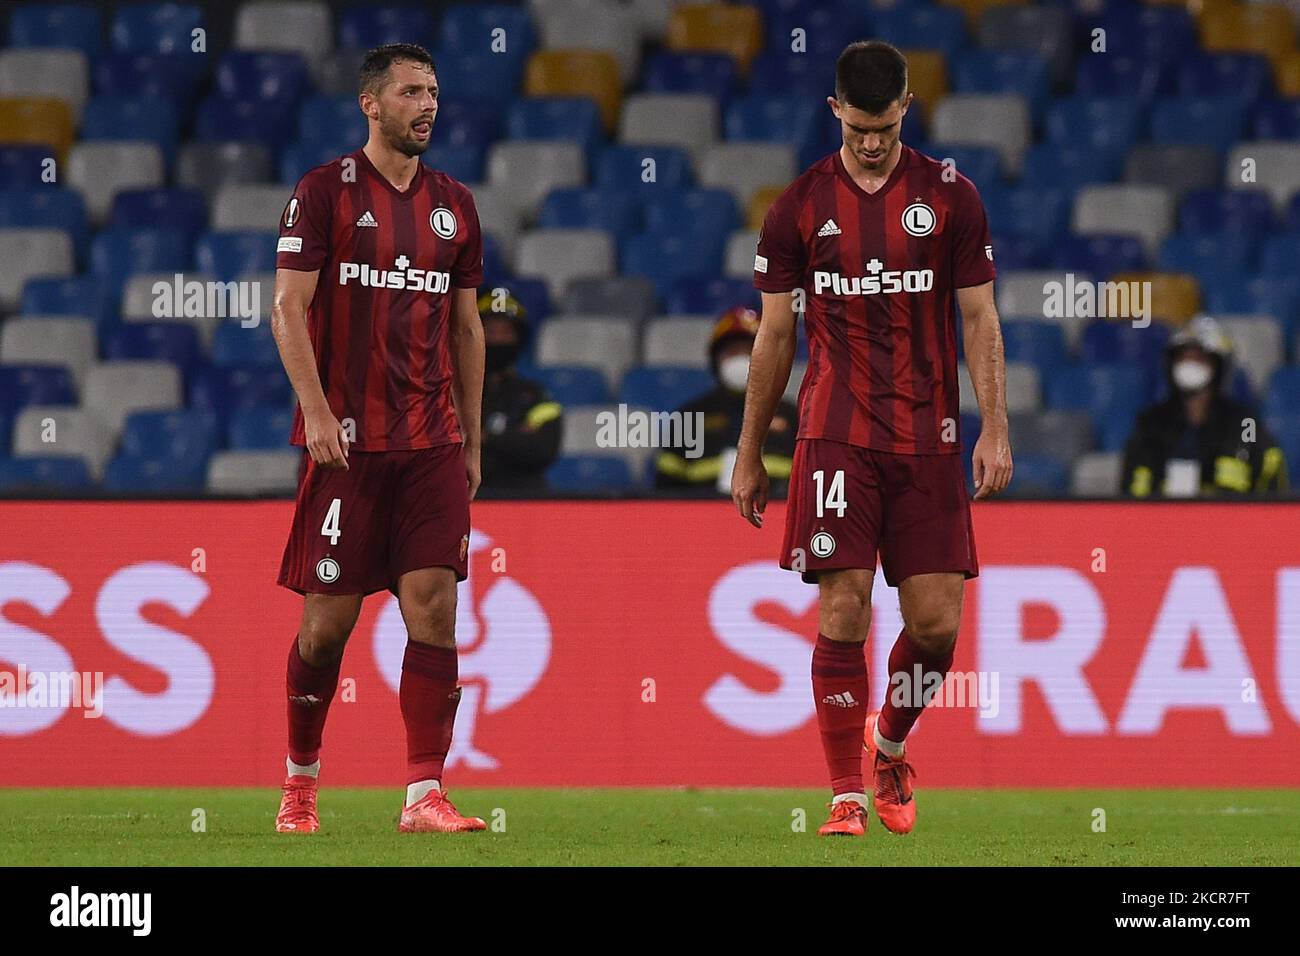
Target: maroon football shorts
(357, 530)
(914, 508)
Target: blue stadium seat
(470, 26)
(665, 257)
(48, 206)
(621, 166)
(71, 295)
(1268, 295)
(1040, 343)
(149, 118)
(333, 120)
(264, 427)
(576, 207)
(171, 76)
(76, 25)
(233, 344)
(1217, 121)
(1018, 252)
(664, 388)
(22, 164)
(220, 119)
(711, 295)
(175, 208)
(531, 293)
(1293, 214)
(1041, 213)
(1277, 119)
(6, 429)
(1108, 123)
(768, 118)
(298, 158)
(44, 475)
(784, 73)
(573, 385)
(1246, 76)
(982, 165)
(711, 212)
(155, 27)
(575, 118)
(1286, 427)
(489, 77)
(464, 163)
(362, 26)
(1206, 254)
(1280, 256)
(118, 254)
(1123, 75)
(1100, 255)
(262, 76)
(462, 122)
(1233, 211)
(824, 26)
(1004, 71)
(1283, 394)
(1112, 393)
(921, 27)
(23, 385)
(712, 73)
(230, 255)
(1069, 167)
(576, 474)
(175, 342)
(224, 389)
(127, 475)
(494, 267)
(1106, 342)
(169, 435)
(1039, 476)
(1164, 34)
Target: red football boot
(848, 818)
(435, 814)
(298, 806)
(893, 797)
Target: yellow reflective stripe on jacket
(778, 466)
(687, 469)
(1140, 487)
(542, 413)
(1232, 473)
(1273, 467)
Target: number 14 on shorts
(830, 497)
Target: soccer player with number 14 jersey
(875, 241)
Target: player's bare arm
(467, 387)
(327, 442)
(982, 337)
(769, 371)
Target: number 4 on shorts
(832, 497)
(330, 528)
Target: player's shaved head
(375, 66)
(871, 75)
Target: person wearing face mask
(522, 426)
(1198, 442)
(723, 410)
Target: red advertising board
(657, 643)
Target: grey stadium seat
(629, 296)
(582, 426)
(1277, 169)
(1179, 167)
(27, 253)
(301, 26)
(1024, 390)
(999, 121)
(1258, 345)
(1097, 475)
(745, 168)
(1143, 211)
(604, 342)
(560, 255)
(609, 28)
(272, 472)
(100, 170)
(1042, 30)
(677, 340)
(1020, 295)
(688, 120)
(738, 260)
(138, 298)
(210, 166)
(50, 340)
(116, 389)
(336, 73)
(498, 217)
(252, 207)
(55, 72)
(1060, 433)
(77, 433)
(526, 170)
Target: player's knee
(935, 632)
(321, 640)
(847, 611)
(429, 609)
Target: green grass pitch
(671, 827)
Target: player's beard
(400, 137)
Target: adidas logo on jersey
(367, 220)
(829, 229)
(840, 700)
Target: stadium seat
(1060, 434)
(1096, 475)
(301, 26)
(116, 389)
(490, 80)
(363, 26)
(230, 255)
(1035, 212)
(210, 167)
(225, 389)
(46, 73)
(1022, 294)
(1206, 254)
(56, 431)
(1038, 476)
(999, 121)
(43, 476)
(605, 343)
(48, 206)
(1100, 255)
(573, 118)
(644, 168)
(22, 165)
(1111, 393)
(1243, 212)
(1067, 167)
(738, 255)
(607, 28)
(183, 435)
(1041, 30)
(179, 343)
(118, 254)
(269, 123)
(760, 204)
(24, 385)
(1024, 389)
(136, 118)
(982, 165)
(174, 77)
(678, 340)
(585, 73)
(524, 172)
(236, 344)
(1105, 341)
(1143, 211)
(1259, 345)
(156, 27)
(573, 385)
(766, 118)
(686, 120)
(712, 213)
(472, 26)
(784, 73)
(1214, 121)
(254, 472)
(1176, 168)
(333, 120)
(1003, 72)
(1247, 76)
(100, 170)
(127, 475)
(664, 388)
(499, 218)
(632, 297)
(337, 72)
(713, 74)
(49, 341)
(1107, 123)
(1174, 296)
(1276, 167)
(28, 253)
(717, 27)
(664, 257)
(140, 303)
(1038, 343)
(1137, 76)
(178, 208)
(37, 120)
(1160, 33)
(260, 428)
(249, 207)
(574, 474)
(922, 27)
(68, 296)
(559, 255)
(1277, 118)
(712, 295)
(744, 168)
(76, 25)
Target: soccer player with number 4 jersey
(876, 243)
(377, 322)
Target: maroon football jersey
(380, 322)
(879, 271)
